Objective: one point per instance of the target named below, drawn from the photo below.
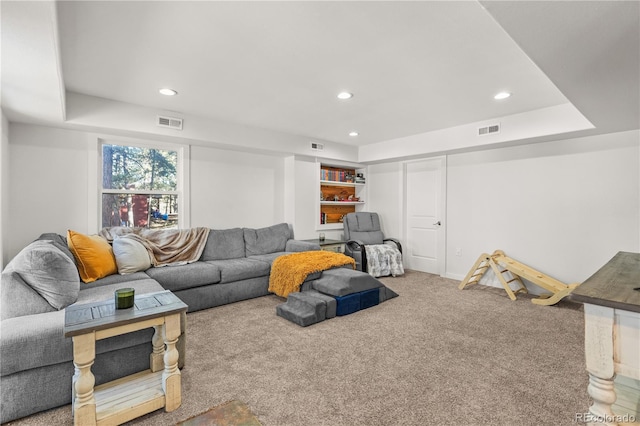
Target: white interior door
(424, 215)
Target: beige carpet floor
(433, 356)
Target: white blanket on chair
(383, 260)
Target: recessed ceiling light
(345, 95)
(502, 95)
(353, 133)
(168, 92)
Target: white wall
(104, 115)
(49, 189)
(304, 193)
(4, 184)
(563, 207)
(235, 189)
(544, 122)
(385, 186)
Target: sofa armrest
(38, 340)
(26, 339)
(297, 246)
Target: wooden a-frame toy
(501, 265)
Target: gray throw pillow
(48, 271)
(60, 242)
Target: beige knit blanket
(165, 246)
(289, 271)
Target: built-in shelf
(336, 183)
(331, 212)
(329, 226)
(343, 203)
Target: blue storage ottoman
(348, 304)
(369, 298)
(356, 301)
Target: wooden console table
(612, 339)
(130, 397)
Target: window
(140, 186)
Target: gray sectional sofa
(36, 359)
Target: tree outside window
(139, 187)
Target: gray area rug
(435, 355)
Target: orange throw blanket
(289, 271)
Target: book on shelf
(337, 175)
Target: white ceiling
(414, 67)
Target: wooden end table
(328, 245)
(611, 300)
(124, 399)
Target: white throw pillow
(131, 255)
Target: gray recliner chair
(360, 230)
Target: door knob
(438, 223)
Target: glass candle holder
(124, 298)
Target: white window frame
(182, 176)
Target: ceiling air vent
(316, 146)
(170, 122)
(489, 130)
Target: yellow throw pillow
(93, 254)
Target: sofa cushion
(48, 271)
(131, 256)
(224, 244)
(105, 292)
(181, 277)
(93, 254)
(240, 269)
(269, 258)
(266, 240)
(115, 279)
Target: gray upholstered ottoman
(327, 292)
(344, 281)
(307, 307)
